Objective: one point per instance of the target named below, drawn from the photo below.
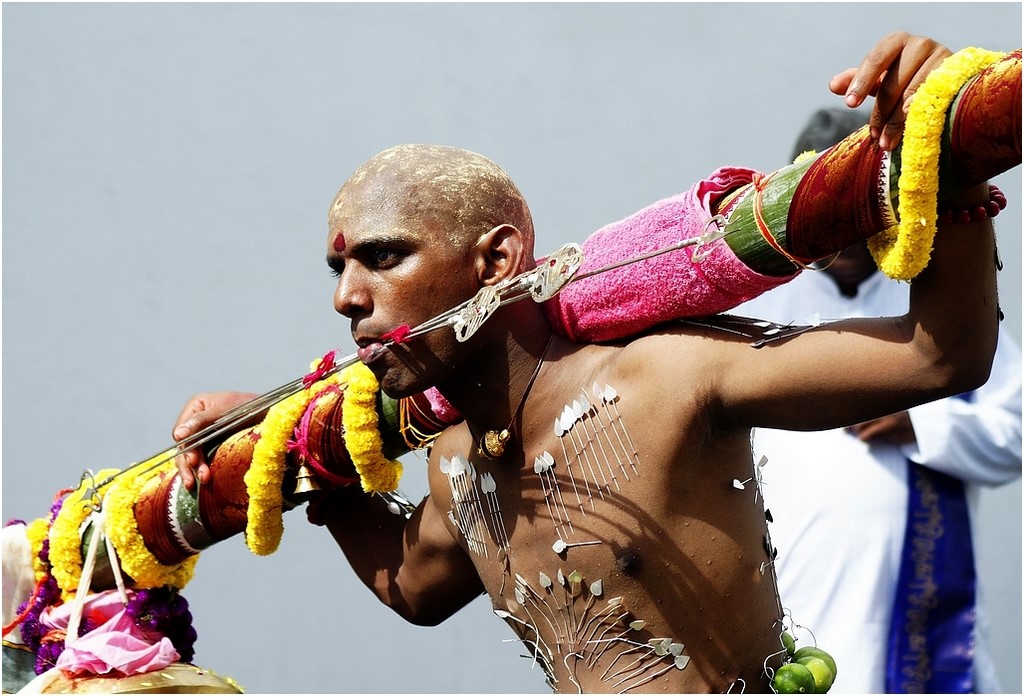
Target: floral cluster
(154, 603)
(162, 610)
(264, 523)
(46, 593)
(903, 251)
(377, 473)
(279, 433)
(56, 542)
(63, 535)
(135, 558)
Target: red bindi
(339, 242)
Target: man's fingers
(874, 66)
(865, 431)
(891, 133)
(892, 71)
(190, 426)
(188, 478)
(191, 465)
(896, 429)
(908, 72)
(198, 414)
(840, 84)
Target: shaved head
(460, 194)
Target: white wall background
(166, 175)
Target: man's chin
(398, 384)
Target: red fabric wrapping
(986, 133)
(838, 201)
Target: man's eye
(384, 258)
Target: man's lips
(371, 352)
(372, 349)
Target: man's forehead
(349, 236)
(400, 209)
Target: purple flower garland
(164, 611)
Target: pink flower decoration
(397, 334)
(325, 365)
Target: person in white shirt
(840, 506)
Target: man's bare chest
(575, 546)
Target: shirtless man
(619, 547)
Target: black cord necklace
(492, 444)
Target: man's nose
(351, 296)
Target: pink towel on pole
(636, 297)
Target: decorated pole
(727, 240)
(773, 225)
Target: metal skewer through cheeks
(540, 284)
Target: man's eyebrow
(378, 240)
(336, 259)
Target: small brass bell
(305, 482)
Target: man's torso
(625, 540)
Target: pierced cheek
(339, 242)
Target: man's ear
(500, 254)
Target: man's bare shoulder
(671, 358)
(720, 336)
(454, 438)
(691, 337)
(687, 357)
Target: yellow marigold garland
(264, 523)
(804, 156)
(263, 484)
(136, 560)
(66, 538)
(377, 473)
(902, 251)
(36, 532)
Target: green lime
(811, 651)
(823, 675)
(793, 678)
(788, 643)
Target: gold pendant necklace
(492, 444)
